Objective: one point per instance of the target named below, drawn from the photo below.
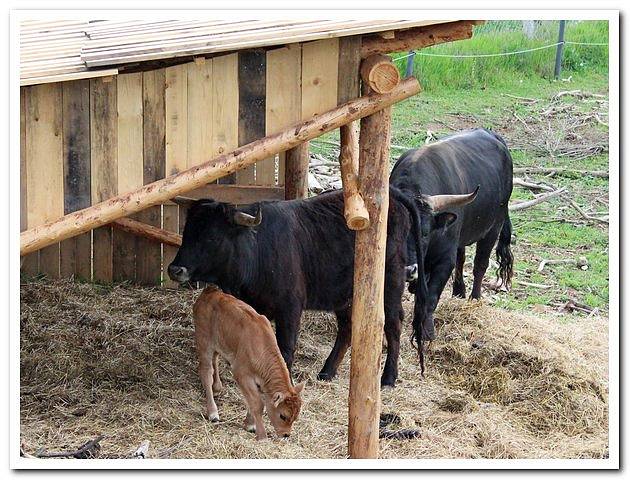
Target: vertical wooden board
(284, 93)
(44, 165)
(225, 107)
(200, 124)
(130, 168)
(320, 61)
(251, 107)
(348, 81)
(29, 264)
(76, 252)
(176, 105)
(104, 168)
(149, 255)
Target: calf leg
(255, 405)
(217, 386)
(482, 259)
(342, 342)
(459, 288)
(205, 356)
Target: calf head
(215, 234)
(283, 409)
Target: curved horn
(183, 201)
(247, 220)
(440, 203)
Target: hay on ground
(120, 361)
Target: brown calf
(230, 328)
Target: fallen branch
(541, 198)
(577, 93)
(581, 263)
(89, 449)
(534, 285)
(531, 186)
(585, 215)
(562, 171)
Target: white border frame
(613, 462)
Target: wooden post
(197, 176)
(355, 213)
(368, 314)
(149, 232)
(379, 73)
(296, 172)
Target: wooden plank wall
(87, 140)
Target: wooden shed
(108, 107)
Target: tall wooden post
(369, 276)
(296, 172)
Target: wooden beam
(419, 37)
(355, 213)
(380, 73)
(368, 299)
(296, 172)
(147, 231)
(237, 194)
(195, 177)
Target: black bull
(289, 256)
(466, 161)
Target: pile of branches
(567, 125)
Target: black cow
(287, 256)
(475, 161)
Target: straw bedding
(120, 361)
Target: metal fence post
(559, 50)
(409, 71)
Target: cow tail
(504, 254)
(421, 284)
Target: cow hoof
(388, 385)
(325, 376)
(214, 418)
(250, 428)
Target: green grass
(438, 73)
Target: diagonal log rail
(195, 177)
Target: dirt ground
(119, 361)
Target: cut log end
(355, 212)
(379, 73)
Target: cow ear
(443, 220)
(299, 387)
(277, 398)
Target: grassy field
(514, 97)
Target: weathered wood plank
(252, 66)
(104, 168)
(284, 93)
(176, 105)
(130, 168)
(225, 107)
(320, 61)
(348, 81)
(44, 166)
(238, 194)
(29, 264)
(200, 119)
(76, 252)
(149, 254)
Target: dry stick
(561, 171)
(581, 262)
(87, 450)
(143, 450)
(530, 185)
(530, 203)
(585, 215)
(534, 285)
(197, 176)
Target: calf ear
(277, 398)
(299, 387)
(443, 220)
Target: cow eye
(283, 418)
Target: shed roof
(52, 51)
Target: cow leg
(206, 375)
(255, 405)
(438, 276)
(459, 288)
(394, 287)
(287, 329)
(482, 259)
(342, 342)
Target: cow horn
(440, 203)
(247, 220)
(183, 201)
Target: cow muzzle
(178, 274)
